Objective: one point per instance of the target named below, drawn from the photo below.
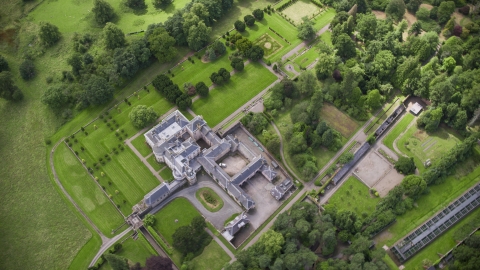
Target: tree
(413, 5)
(3, 64)
(255, 53)
(191, 238)
(325, 66)
(396, 9)
(305, 30)
(135, 4)
(307, 84)
(374, 99)
(149, 220)
(272, 242)
(243, 45)
(415, 29)
(116, 262)
(405, 165)
(444, 11)
(8, 90)
(449, 64)
(249, 20)
(239, 26)
(76, 61)
(183, 101)
(114, 37)
(383, 64)
(329, 242)
(430, 119)
(297, 143)
(413, 185)
(161, 3)
(201, 89)
(258, 14)
(345, 47)
(161, 44)
(54, 97)
(98, 90)
(49, 34)
(27, 70)
(366, 26)
(237, 64)
(345, 158)
(423, 14)
(158, 263)
(141, 116)
(103, 11)
(198, 36)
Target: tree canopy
(305, 30)
(8, 89)
(405, 165)
(98, 90)
(114, 36)
(161, 44)
(103, 11)
(49, 34)
(141, 116)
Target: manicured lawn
(203, 193)
(237, 12)
(397, 130)
(225, 99)
(353, 195)
(213, 257)
(180, 210)
(133, 250)
(325, 18)
(199, 71)
(166, 174)
(157, 166)
(338, 120)
(442, 244)
(327, 37)
(85, 192)
(76, 16)
(141, 146)
(87, 252)
(269, 44)
(439, 197)
(419, 144)
(300, 9)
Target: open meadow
(355, 196)
(225, 99)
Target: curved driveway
(229, 208)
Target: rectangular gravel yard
(225, 99)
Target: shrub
(239, 25)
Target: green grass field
(213, 257)
(167, 174)
(179, 209)
(325, 18)
(338, 120)
(157, 166)
(76, 16)
(400, 127)
(141, 146)
(421, 146)
(205, 191)
(441, 245)
(439, 197)
(199, 71)
(269, 44)
(311, 55)
(300, 9)
(133, 250)
(355, 196)
(225, 99)
(85, 192)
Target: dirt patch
(427, 6)
(211, 205)
(411, 19)
(8, 36)
(460, 19)
(372, 168)
(389, 181)
(267, 45)
(420, 134)
(234, 164)
(338, 120)
(379, 14)
(383, 237)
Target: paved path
(55, 176)
(281, 150)
(106, 245)
(218, 218)
(227, 250)
(304, 43)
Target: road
(106, 245)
